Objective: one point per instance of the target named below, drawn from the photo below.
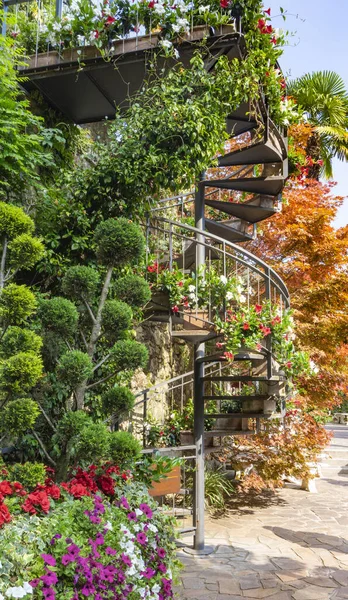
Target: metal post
(198, 515)
(268, 339)
(59, 9)
(4, 22)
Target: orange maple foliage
(312, 257)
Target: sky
(319, 43)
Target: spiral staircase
(230, 199)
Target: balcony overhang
(86, 88)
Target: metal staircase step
(271, 186)
(259, 153)
(238, 415)
(226, 231)
(247, 211)
(262, 378)
(239, 398)
(240, 120)
(240, 356)
(195, 336)
(188, 259)
(224, 433)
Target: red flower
(5, 516)
(261, 24)
(258, 308)
(266, 330)
(110, 20)
(151, 4)
(106, 484)
(36, 499)
(53, 491)
(269, 29)
(268, 12)
(5, 488)
(181, 283)
(320, 162)
(246, 326)
(219, 345)
(283, 84)
(224, 3)
(274, 40)
(289, 364)
(229, 355)
(276, 320)
(78, 490)
(153, 268)
(175, 309)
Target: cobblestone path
(293, 548)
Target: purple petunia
(50, 578)
(148, 573)
(49, 559)
(49, 593)
(167, 585)
(34, 582)
(132, 516)
(73, 550)
(161, 552)
(110, 551)
(141, 538)
(162, 568)
(67, 558)
(146, 510)
(126, 560)
(99, 539)
(124, 503)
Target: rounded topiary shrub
(69, 426)
(20, 372)
(74, 367)
(59, 315)
(25, 251)
(93, 443)
(17, 339)
(124, 449)
(119, 242)
(80, 282)
(18, 416)
(28, 474)
(117, 400)
(116, 318)
(129, 355)
(133, 289)
(17, 303)
(14, 221)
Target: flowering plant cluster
(91, 547)
(198, 291)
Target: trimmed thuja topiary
(124, 449)
(117, 400)
(18, 416)
(119, 242)
(133, 289)
(75, 366)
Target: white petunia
(27, 587)
(242, 299)
(165, 43)
(176, 53)
(191, 288)
(223, 279)
(152, 528)
(229, 295)
(156, 588)
(108, 526)
(16, 592)
(159, 9)
(203, 9)
(1, 596)
(138, 512)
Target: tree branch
(3, 263)
(92, 385)
(84, 339)
(90, 311)
(46, 416)
(101, 362)
(43, 448)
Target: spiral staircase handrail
(240, 255)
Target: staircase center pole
(198, 505)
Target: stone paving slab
(293, 546)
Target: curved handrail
(244, 255)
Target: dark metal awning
(86, 88)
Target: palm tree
(324, 99)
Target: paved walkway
(293, 547)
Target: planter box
(187, 438)
(170, 484)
